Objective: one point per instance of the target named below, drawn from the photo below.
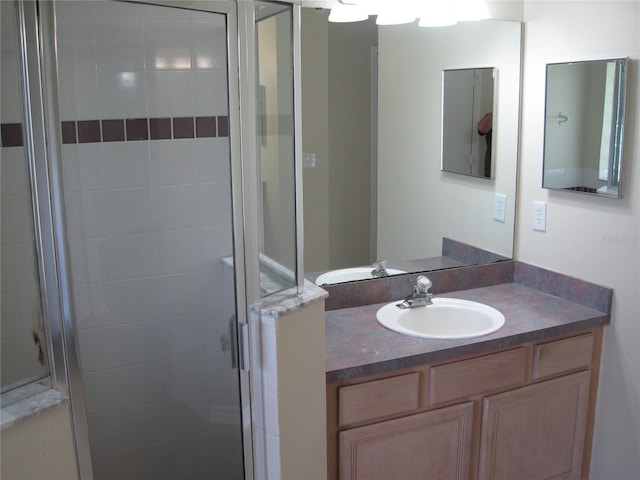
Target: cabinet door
(434, 445)
(535, 432)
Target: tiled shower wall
(22, 346)
(147, 188)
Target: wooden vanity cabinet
(523, 412)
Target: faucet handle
(379, 269)
(423, 284)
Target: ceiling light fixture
(344, 13)
(432, 13)
(438, 13)
(392, 17)
(471, 10)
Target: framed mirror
(374, 189)
(467, 119)
(584, 126)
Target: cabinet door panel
(434, 445)
(536, 431)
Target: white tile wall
(174, 163)
(126, 165)
(10, 101)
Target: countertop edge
(476, 348)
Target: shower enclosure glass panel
(147, 178)
(276, 146)
(23, 346)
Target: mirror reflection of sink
(350, 274)
(447, 318)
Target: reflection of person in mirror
(485, 127)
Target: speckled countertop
(532, 303)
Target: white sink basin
(350, 274)
(447, 318)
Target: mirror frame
(432, 60)
(474, 125)
(618, 116)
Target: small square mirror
(467, 121)
(584, 126)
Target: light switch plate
(309, 160)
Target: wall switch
(500, 207)
(309, 160)
(540, 216)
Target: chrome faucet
(379, 269)
(420, 297)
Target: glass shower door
(144, 107)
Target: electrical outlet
(500, 207)
(540, 216)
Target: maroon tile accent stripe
(113, 130)
(128, 129)
(137, 129)
(69, 132)
(582, 189)
(183, 127)
(89, 131)
(205, 127)
(11, 134)
(160, 128)
(223, 126)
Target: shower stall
(131, 134)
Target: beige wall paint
(315, 138)
(288, 385)
(596, 239)
(301, 390)
(336, 109)
(350, 142)
(40, 447)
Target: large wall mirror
(372, 129)
(467, 119)
(584, 127)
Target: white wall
(596, 239)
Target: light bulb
(347, 13)
(471, 10)
(438, 13)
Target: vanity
(514, 403)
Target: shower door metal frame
(43, 145)
(249, 100)
(42, 148)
